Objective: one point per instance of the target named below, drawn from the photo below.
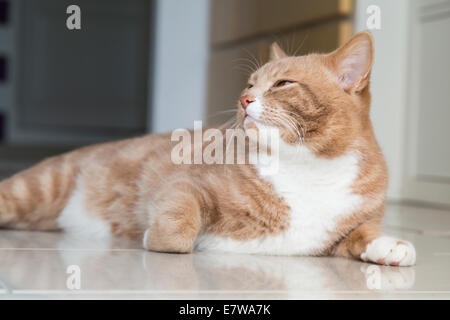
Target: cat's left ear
(276, 52)
(353, 61)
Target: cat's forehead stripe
(311, 94)
(273, 71)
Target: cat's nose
(246, 100)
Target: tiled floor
(35, 265)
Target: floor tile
(35, 265)
(429, 221)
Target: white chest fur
(318, 191)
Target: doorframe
(415, 187)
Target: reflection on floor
(52, 265)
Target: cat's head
(320, 100)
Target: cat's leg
(175, 221)
(368, 243)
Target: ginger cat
(326, 198)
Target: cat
(327, 197)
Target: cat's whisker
(242, 66)
(295, 124)
(251, 64)
(302, 126)
(246, 63)
(291, 44)
(299, 120)
(230, 121)
(290, 121)
(301, 44)
(219, 113)
(276, 116)
(244, 69)
(285, 123)
(255, 60)
(286, 126)
(243, 72)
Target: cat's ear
(276, 52)
(353, 61)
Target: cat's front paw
(390, 251)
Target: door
(427, 161)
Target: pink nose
(246, 100)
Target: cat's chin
(252, 123)
(249, 119)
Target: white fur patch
(255, 109)
(319, 192)
(388, 250)
(76, 220)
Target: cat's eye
(281, 83)
(249, 86)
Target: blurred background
(139, 66)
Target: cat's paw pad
(390, 251)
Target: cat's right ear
(353, 61)
(276, 52)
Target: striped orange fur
(133, 187)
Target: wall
(181, 52)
